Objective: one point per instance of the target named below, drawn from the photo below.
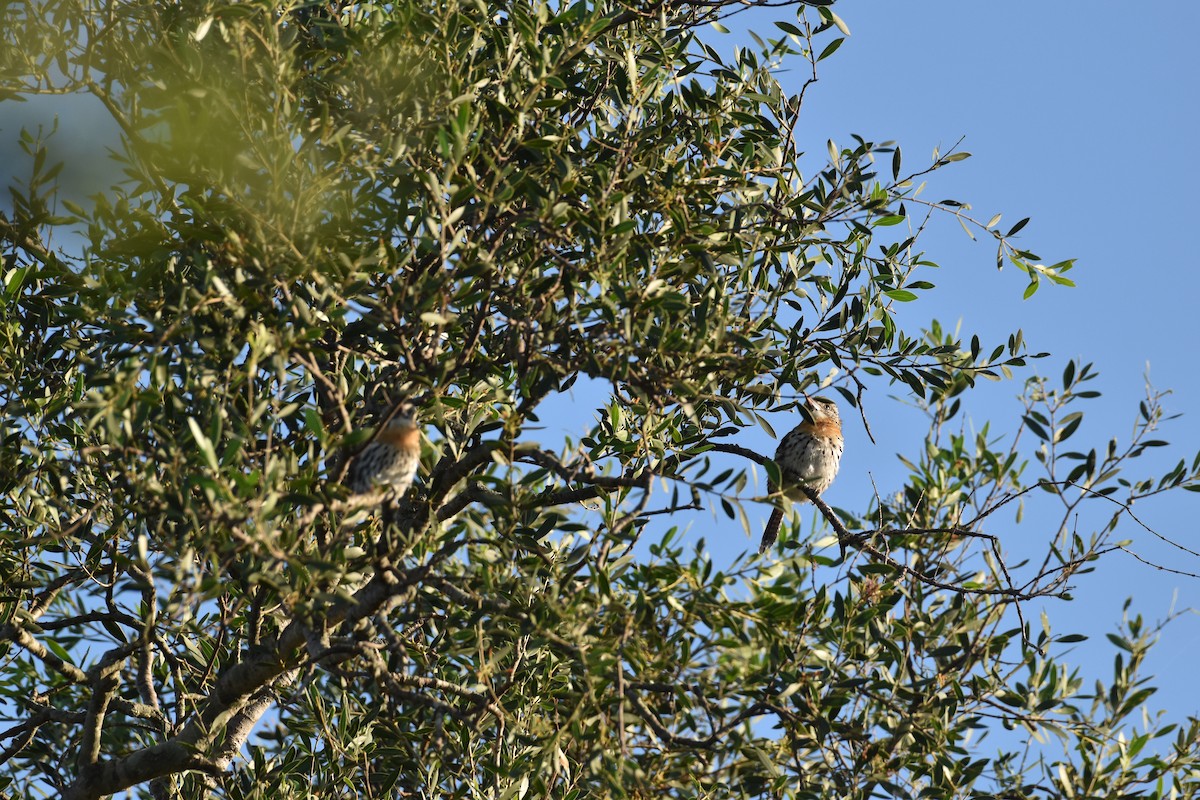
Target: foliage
(327, 209)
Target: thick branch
(25, 639)
(106, 680)
(238, 729)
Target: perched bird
(389, 462)
(809, 455)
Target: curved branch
(23, 638)
(861, 541)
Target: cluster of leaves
(327, 209)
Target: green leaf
(312, 422)
(830, 49)
(766, 426)
(1016, 228)
(74, 208)
(1036, 427)
(966, 230)
(13, 280)
(1069, 424)
(58, 650)
(205, 444)
(202, 29)
(828, 14)
(1120, 641)
(901, 295)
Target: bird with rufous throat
(809, 455)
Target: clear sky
(1082, 117)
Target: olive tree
(329, 209)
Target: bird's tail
(771, 533)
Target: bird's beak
(806, 408)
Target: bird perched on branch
(389, 462)
(809, 455)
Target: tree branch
(105, 681)
(24, 638)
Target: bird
(809, 455)
(390, 461)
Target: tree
(328, 210)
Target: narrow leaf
(206, 447)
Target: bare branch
(105, 681)
(25, 639)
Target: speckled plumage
(809, 455)
(389, 462)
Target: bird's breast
(402, 438)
